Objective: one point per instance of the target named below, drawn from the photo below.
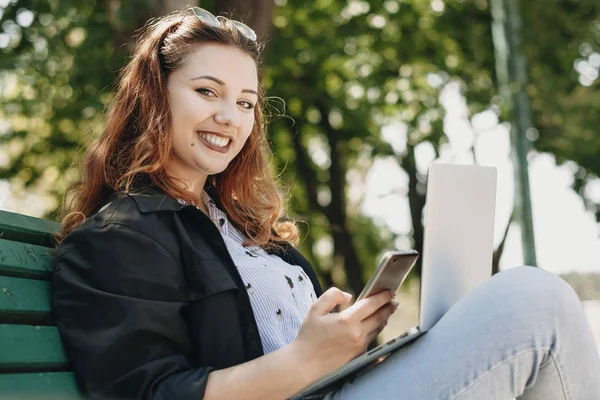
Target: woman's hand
(328, 340)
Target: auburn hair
(136, 140)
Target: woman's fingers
(328, 300)
(364, 308)
(377, 321)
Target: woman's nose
(228, 114)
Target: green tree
(344, 69)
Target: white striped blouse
(280, 293)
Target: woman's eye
(246, 104)
(204, 91)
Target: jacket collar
(150, 199)
(153, 201)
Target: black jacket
(148, 301)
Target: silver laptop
(457, 254)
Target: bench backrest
(32, 360)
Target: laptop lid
(458, 237)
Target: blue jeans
(521, 334)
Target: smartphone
(392, 270)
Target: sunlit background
(377, 91)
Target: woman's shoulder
(136, 217)
(135, 209)
(121, 250)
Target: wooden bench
(33, 364)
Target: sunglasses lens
(206, 17)
(209, 19)
(244, 30)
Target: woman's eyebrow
(220, 82)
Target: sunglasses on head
(208, 18)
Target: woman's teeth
(215, 140)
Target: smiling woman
(176, 278)
(212, 116)
(174, 266)
(188, 103)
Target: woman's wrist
(309, 365)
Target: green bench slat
(32, 358)
(20, 297)
(25, 347)
(22, 228)
(39, 385)
(25, 260)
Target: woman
(176, 279)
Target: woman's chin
(212, 168)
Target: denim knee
(541, 292)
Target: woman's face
(212, 96)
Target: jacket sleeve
(117, 297)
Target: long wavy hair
(136, 140)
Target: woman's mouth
(215, 142)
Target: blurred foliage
(341, 71)
(562, 44)
(57, 68)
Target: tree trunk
(498, 252)
(123, 30)
(258, 14)
(416, 202)
(306, 170)
(163, 7)
(336, 211)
